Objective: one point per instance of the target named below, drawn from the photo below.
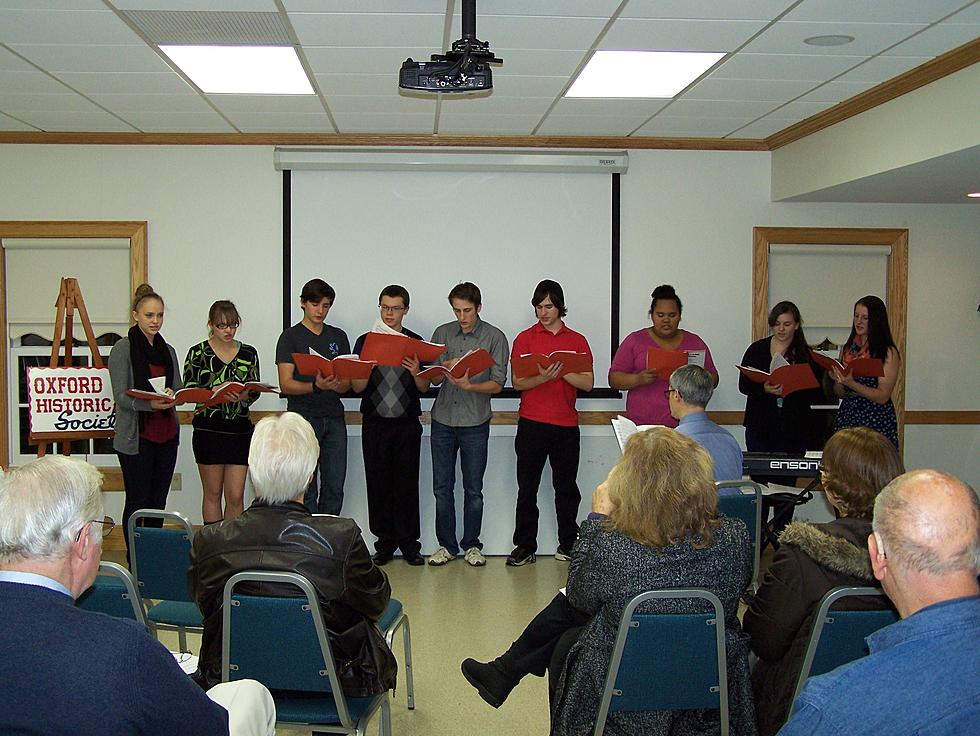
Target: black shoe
(521, 556)
(414, 559)
(382, 558)
(563, 554)
(490, 680)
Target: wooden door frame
(134, 231)
(898, 276)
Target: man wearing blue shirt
(690, 391)
(923, 673)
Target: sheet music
(626, 428)
(695, 357)
(778, 361)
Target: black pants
(535, 443)
(391, 472)
(544, 644)
(146, 478)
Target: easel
(69, 300)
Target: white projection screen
(504, 231)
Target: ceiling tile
(707, 9)
(764, 128)
(803, 108)
(936, 40)
(535, 32)
(64, 26)
(10, 62)
(720, 108)
(97, 121)
(836, 91)
(267, 6)
(93, 58)
(420, 7)
(54, 4)
(539, 62)
(969, 15)
(633, 108)
(563, 9)
(748, 89)
(882, 68)
(9, 123)
(493, 105)
(266, 122)
(509, 85)
(785, 37)
(395, 104)
(357, 84)
(268, 103)
(589, 125)
(784, 66)
(192, 102)
(124, 82)
(366, 123)
(51, 102)
(371, 60)
(893, 11)
(679, 35)
(30, 82)
(494, 124)
(368, 29)
(179, 122)
(679, 125)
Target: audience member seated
(923, 673)
(690, 391)
(277, 532)
(67, 670)
(654, 526)
(811, 560)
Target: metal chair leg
(409, 677)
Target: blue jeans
(327, 497)
(471, 442)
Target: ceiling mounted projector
(465, 68)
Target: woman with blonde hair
(654, 526)
(811, 560)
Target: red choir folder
(857, 367)
(183, 396)
(343, 366)
(474, 362)
(526, 365)
(219, 394)
(792, 377)
(665, 362)
(386, 349)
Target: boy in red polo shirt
(548, 426)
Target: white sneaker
(475, 557)
(440, 557)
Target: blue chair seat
(113, 593)
(392, 612)
(302, 708)
(176, 613)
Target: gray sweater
(127, 439)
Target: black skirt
(222, 442)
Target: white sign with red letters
(70, 400)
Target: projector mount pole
(469, 20)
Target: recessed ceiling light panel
(831, 40)
(660, 74)
(974, 195)
(244, 70)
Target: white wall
(215, 231)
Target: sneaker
(475, 557)
(562, 554)
(440, 557)
(521, 556)
(489, 679)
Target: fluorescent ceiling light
(974, 195)
(256, 70)
(640, 73)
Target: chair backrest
(159, 557)
(748, 508)
(838, 636)
(279, 641)
(667, 661)
(113, 593)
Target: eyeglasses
(225, 326)
(389, 310)
(668, 392)
(107, 526)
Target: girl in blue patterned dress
(866, 401)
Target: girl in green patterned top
(222, 433)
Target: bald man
(923, 673)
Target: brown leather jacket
(330, 552)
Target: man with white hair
(67, 670)
(278, 533)
(923, 673)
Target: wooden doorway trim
(898, 276)
(134, 231)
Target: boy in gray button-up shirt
(461, 422)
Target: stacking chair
(159, 558)
(748, 508)
(113, 593)
(391, 620)
(838, 636)
(667, 661)
(282, 643)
